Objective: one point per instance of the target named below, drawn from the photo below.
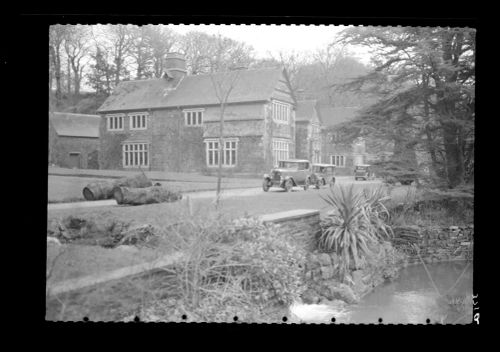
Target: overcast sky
(275, 38)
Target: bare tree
(141, 52)
(120, 37)
(56, 40)
(213, 53)
(76, 47)
(161, 40)
(223, 84)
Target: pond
(412, 297)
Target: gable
(282, 90)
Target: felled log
(140, 196)
(104, 189)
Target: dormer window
(139, 121)
(193, 117)
(115, 122)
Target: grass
(245, 265)
(69, 188)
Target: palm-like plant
(357, 220)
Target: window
(315, 129)
(139, 121)
(115, 122)
(135, 155)
(193, 117)
(337, 160)
(281, 112)
(280, 150)
(229, 152)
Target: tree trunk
(454, 155)
(104, 189)
(221, 151)
(56, 57)
(140, 196)
(68, 68)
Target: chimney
(174, 66)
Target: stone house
(74, 140)
(308, 131)
(343, 155)
(172, 123)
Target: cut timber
(140, 196)
(104, 189)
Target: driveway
(226, 194)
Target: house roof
(305, 110)
(331, 116)
(251, 85)
(75, 125)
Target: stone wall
(301, 224)
(435, 244)
(321, 270)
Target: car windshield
(293, 165)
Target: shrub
(358, 220)
(241, 263)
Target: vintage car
(288, 174)
(323, 174)
(362, 172)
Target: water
(412, 298)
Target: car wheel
(265, 186)
(288, 185)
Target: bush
(434, 206)
(357, 221)
(241, 263)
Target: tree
(141, 52)
(211, 53)
(223, 84)
(121, 41)
(160, 40)
(102, 73)
(57, 34)
(76, 47)
(424, 79)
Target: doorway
(74, 160)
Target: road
(228, 194)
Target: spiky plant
(357, 220)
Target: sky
(275, 38)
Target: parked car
(363, 172)
(323, 174)
(288, 174)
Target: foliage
(358, 220)
(424, 81)
(393, 171)
(242, 263)
(431, 206)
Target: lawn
(69, 188)
(83, 260)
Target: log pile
(148, 195)
(104, 189)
